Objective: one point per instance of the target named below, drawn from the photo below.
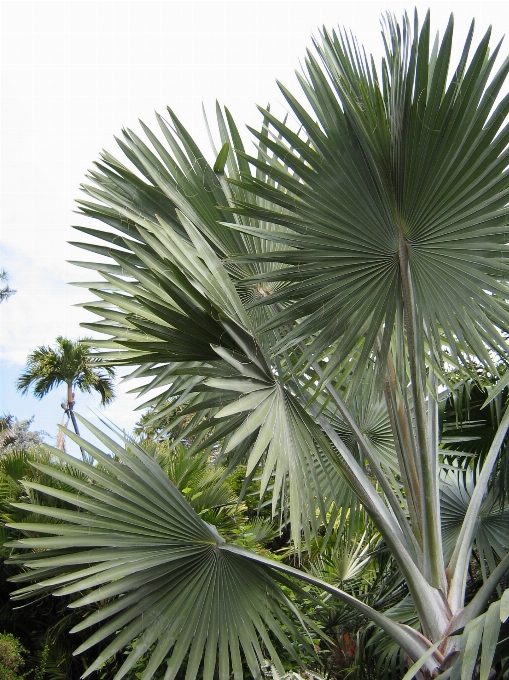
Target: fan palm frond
(136, 543)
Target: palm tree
(71, 363)
(5, 291)
(307, 305)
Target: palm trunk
(70, 411)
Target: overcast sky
(75, 73)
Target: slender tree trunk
(70, 411)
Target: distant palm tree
(71, 363)
(5, 290)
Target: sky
(74, 73)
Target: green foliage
(15, 435)
(41, 626)
(203, 484)
(160, 542)
(11, 657)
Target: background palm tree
(5, 290)
(71, 363)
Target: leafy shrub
(11, 657)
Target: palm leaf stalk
(309, 337)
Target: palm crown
(71, 363)
(303, 306)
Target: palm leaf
(492, 527)
(134, 544)
(386, 177)
(181, 285)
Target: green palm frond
(162, 574)
(240, 406)
(145, 297)
(492, 530)
(224, 376)
(367, 406)
(383, 189)
(348, 559)
(469, 426)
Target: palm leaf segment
(167, 577)
(151, 257)
(378, 197)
